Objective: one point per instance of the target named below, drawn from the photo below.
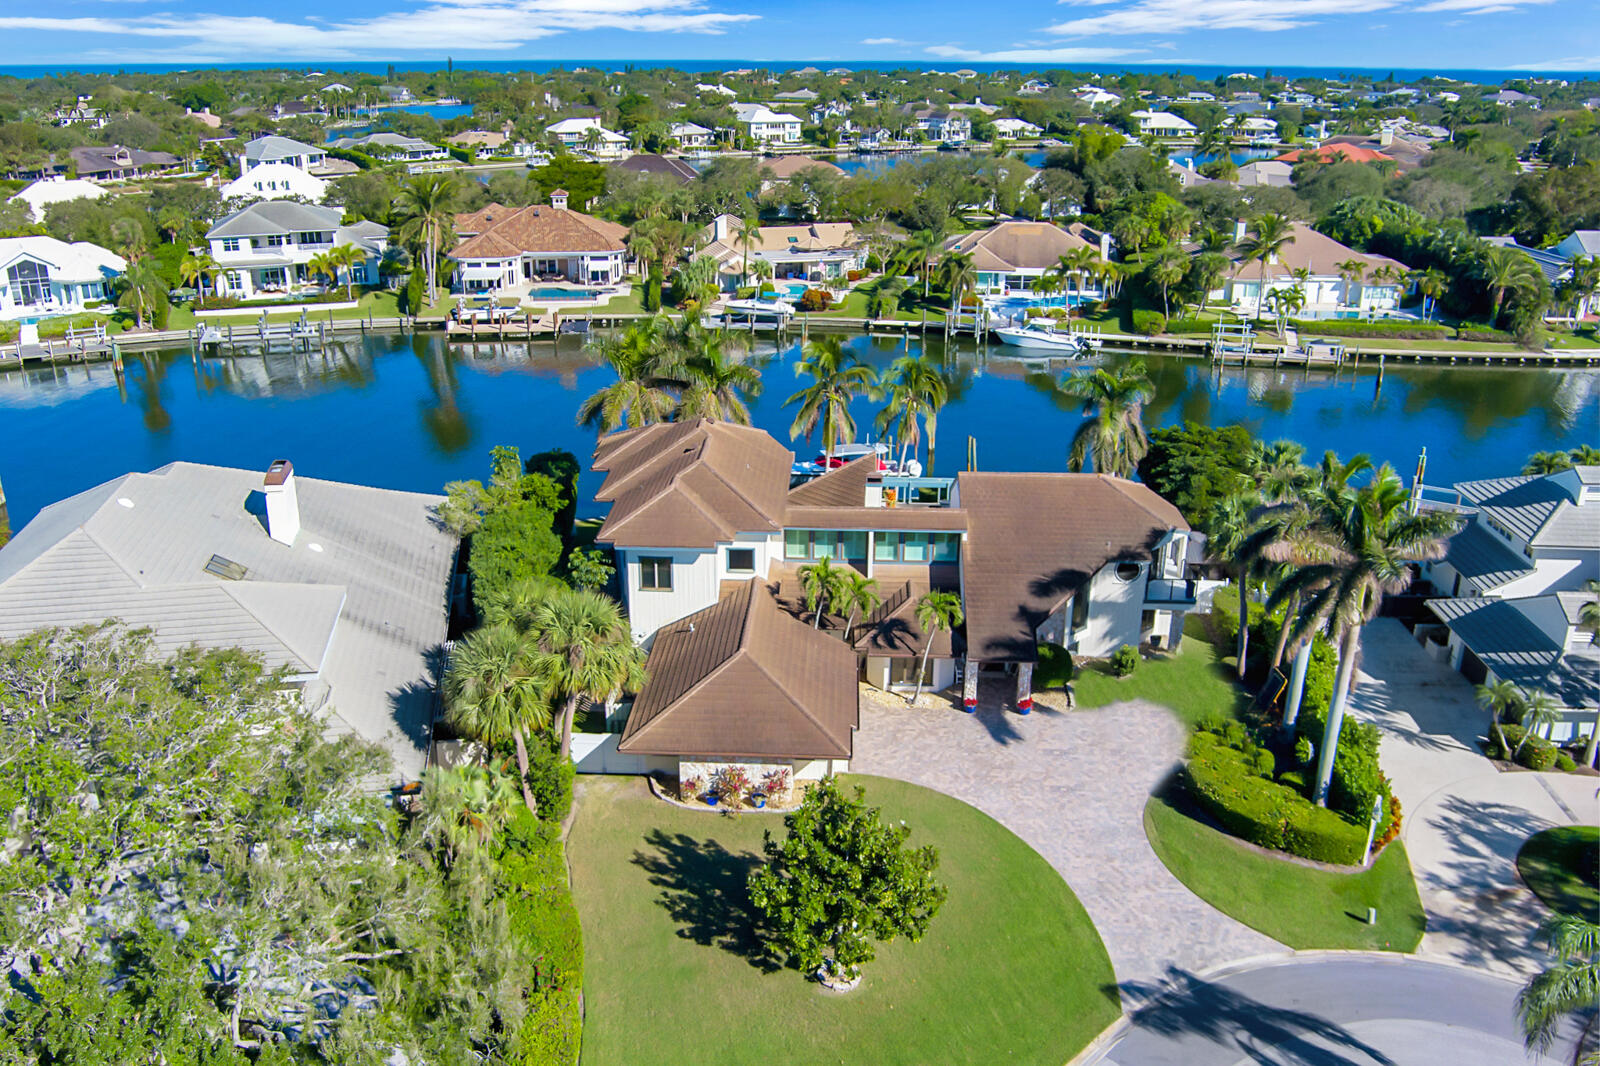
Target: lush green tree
(1232, 524)
(584, 650)
(514, 543)
(821, 581)
(714, 382)
(838, 376)
(857, 594)
(1112, 401)
(1267, 237)
(841, 879)
(424, 208)
(639, 396)
(590, 569)
(1541, 463)
(1195, 465)
(492, 693)
(916, 388)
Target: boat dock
(75, 346)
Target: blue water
(877, 162)
(438, 111)
(414, 412)
(1240, 157)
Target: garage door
(1472, 667)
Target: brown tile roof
(1036, 538)
(784, 167)
(666, 165)
(1312, 251)
(498, 232)
(843, 487)
(892, 629)
(1018, 246)
(742, 679)
(690, 484)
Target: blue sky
(1440, 34)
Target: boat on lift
(844, 454)
(1042, 335)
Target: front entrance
(1472, 667)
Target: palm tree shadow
(704, 888)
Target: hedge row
(1236, 789)
(228, 303)
(1350, 327)
(544, 921)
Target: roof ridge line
(230, 591)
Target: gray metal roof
(358, 602)
(1517, 650)
(1588, 474)
(276, 216)
(270, 147)
(1477, 553)
(1536, 509)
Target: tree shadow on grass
(704, 888)
(1181, 1004)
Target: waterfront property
(507, 250)
(284, 150)
(811, 251)
(1336, 281)
(41, 276)
(266, 248)
(1163, 124)
(941, 125)
(586, 134)
(116, 163)
(392, 146)
(343, 587)
(1013, 256)
(275, 181)
(55, 190)
(690, 135)
(669, 166)
(712, 545)
(763, 125)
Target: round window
(1128, 571)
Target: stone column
(1024, 688)
(969, 687)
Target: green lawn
(1560, 866)
(379, 304)
(1295, 904)
(1011, 969)
(1195, 682)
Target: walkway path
(1464, 819)
(1073, 784)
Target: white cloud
(1032, 55)
(885, 41)
(441, 25)
(1479, 7)
(1176, 16)
(1564, 63)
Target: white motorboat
(849, 453)
(754, 314)
(1045, 336)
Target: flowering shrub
(689, 789)
(730, 785)
(775, 783)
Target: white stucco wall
(696, 578)
(1115, 607)
(596, 753)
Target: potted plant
(730, 786)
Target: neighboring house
(664, 165)
(79, 114)
(265, 248)
(285, 150)
(1512, 98)
(691, 135)
(942, 125)
(116, 163)
(508, 249)
(763, 125)
(709, 539)
(1015, 128)
(794, 96)
(275, 181)
(1556, 263)
(1585, 242)
(396, 94)
(41, 276)
(491, 139)
(1335, 152)
(1380, 286)
(1013, 256)
(815, 251)
(1266, 172)
(1162, 124)
(1034, 87)
(1188, 177)
(716, 90)
(1514, 583)
(587, 135)
(392, 146)
(56, 190)
(291, 109)
(1094, 96)
(343, 587)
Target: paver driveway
(1464, 819)
(1073, 784)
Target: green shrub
(1304, 750)
(1149, 323)
(1513, 735)
(1357, 781)
(815, 300)
(560, 466)
(1054, 669)
(1394, 330)
(542, 919)
(1124, 660)
(549, 1035)
(1537, 754)
(1320, 835)
(1487, 336)
(1227, 785)
(1565, 762)
(516, 542)
(1296, 780)
(1189, 325)
(550, 777)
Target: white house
(392, 146)
(1163, 124)
(263, 249)
(762, 124)
(1015, 128)
(716, 90)
(56, 190)
(814, 251)
(1334, 279)
(1012, 256)
(941, 125)
(691, 135)
(284, 150)
(275, 181)
(511, 249)
(586, 134)
(41, 276)
(1096, 97)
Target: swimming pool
(562, 292)
(792, 289)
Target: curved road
(1343, 1009)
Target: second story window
(655, 573)
(230, 244)
(741, 560)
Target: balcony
(1170, 593)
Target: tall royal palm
(1268, 236)
(492, 693)
(639, 396)
(1112, 434)
(583, 650)
(837, 377)
(1358, 547)
(1231, 525)
(715, 384)
(914, 389)
(424, 207)
(960, 277)
(1504, 271)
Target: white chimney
(283, 509)
(558, 199)
(1386, 136)
(1238, 230)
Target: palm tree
(143, 290)
(323, 265)
(937, 612)
(821, 581)
(1358, 547)
(1231, 526)
(1166, 269)
(747, 233)
(885, 297)
(1431, 284)
(1542, 463)
(1539, 712)
(1503, 270)
(492, 692)
(196, 270)
(716, 385)
(837, 377)
(1268, 236)
(1113, 432)
(1585, 455)
(960, 276)
(638, 397)
(583, 649)
(1350, 271)
(921, 250)
(1498, 699)
(345, 258)
(424, 209)
(1570, 986)
(858, 594)
(915, 387)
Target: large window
(917, 547)
(741, 560)
(824, 544)
(230, 244)
(655, 573)
(30, 282)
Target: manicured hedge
(544, 921)
(1054, 669)
(1349, 327)
(1149, 323)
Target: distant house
(795, 96)
(490, 139)
(1162, 124)
(392, 146)
(116, 163)
(663, 165)
(1034, 87)
(41, 276)
(55, 190)
(690, 135)
(504, 249)
(1015, 128)
(290, 109)
(587, 135)
(1335, 151)
(1013, 256)
(396, 94)
(79, 114)
(942, 125)
(763, 125)
(1554, 263)
(1584, 242)
(1096, 97)
(276, 181)
(816, 251)
(780, 168)
(343, 587)
(1512, 98)
(1266, 172)
(285, 150)
(264, 249)
(715, 90)
(1379, 286)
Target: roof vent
(226, 568)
